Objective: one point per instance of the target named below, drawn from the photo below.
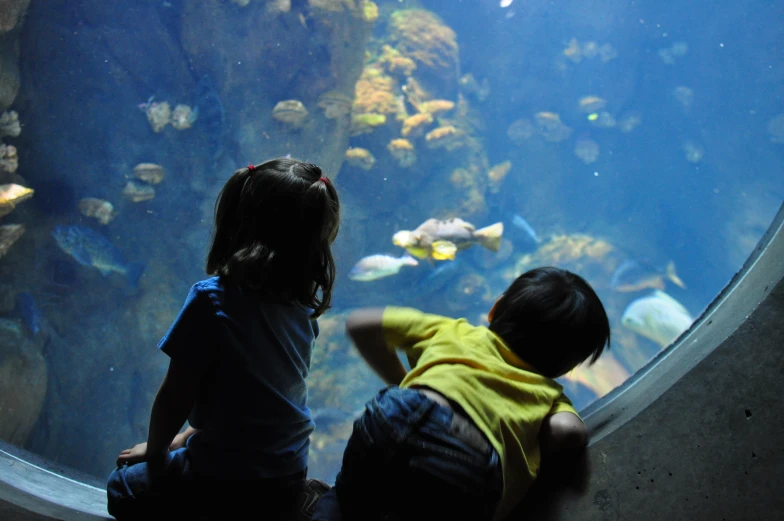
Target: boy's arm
(562, 431)
(365, 329)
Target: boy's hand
(179, 441)
(137, 454)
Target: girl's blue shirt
(256, 354)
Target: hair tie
(324, 179)
(251, 168)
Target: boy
(460, 436)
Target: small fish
(658, 317)
(90, 248)
(522, 224)
(378, 266)
(442, 239)
(633, 276)
(28, 310)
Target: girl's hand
(132, 456)
(179, 441)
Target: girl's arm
(171, 407)
(365, 329)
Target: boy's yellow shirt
(473, 367)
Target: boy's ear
(492, 311)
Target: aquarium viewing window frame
(36, 489)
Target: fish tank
(638, 144)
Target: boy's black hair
(552, 319)
(274, 227)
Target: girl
(240, 351)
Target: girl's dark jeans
(409, 458)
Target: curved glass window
(635, 144)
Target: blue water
(696, 181)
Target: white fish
(658, 317)
(506, 3)
(378, 266)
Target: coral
(149, 173)
(9, 124)
(333, 5)
(158, 114)
(497, 174)
(374, 92)
(368, 11)
(241, 3)
(520, 130)
(446, 136)
(394, 62)
(403, 152)
(102, 210)
(415, 125)
(137, 192)
(335, 104)
(291, 113)
(424, 37)
(363, 123)
(9, 161)
(277, 6)
(775, 128)
(11, 195)
(360, 158)
(183, 117)
(587, 150)
(9, 234)
(436, 106)
(550, 126)
(590, 104)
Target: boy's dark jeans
(409, 458)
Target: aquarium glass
(638, 144)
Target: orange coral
(423, 36)
(436, 106)
(375, 92)
(446, 137)
(403, 152)
(360, 158)
(396, 62)
(497, 174)
(415, 125)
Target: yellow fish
(442, 239)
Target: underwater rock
(550, 127)
(470, 85)
(102, 210)
(629, 122)
(11, 195)
(11, 12)
(360, 158)
(137, 192)
(158, 114)
(9, 161)
(183, 117)
(291, 112)
(9, 234)
(497, 174)
(335, 104)
(149, 173)
(23, 382)
(520, 130)
(403, 152)
(587, 150)
(9, 124)
(424, 37)
(590, 104)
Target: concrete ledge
(694, 435)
